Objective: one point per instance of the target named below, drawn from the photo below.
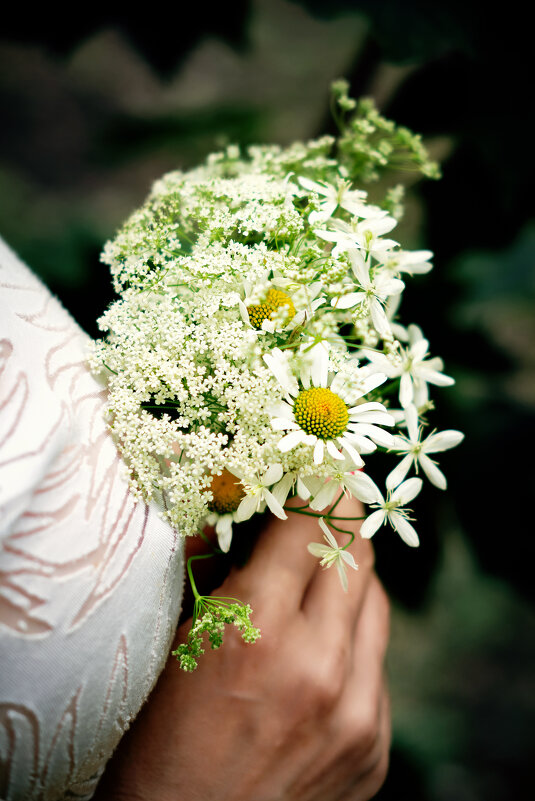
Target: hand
(301, 715)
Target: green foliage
(369, 144)
(210, 616)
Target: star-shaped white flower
(413, 367)
(416, 451)
(346, 479)
(391, 511)
(366, 235)
(258, 494)
(352, 200)
(375, 290)
(331, 554)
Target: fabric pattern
(90, 582)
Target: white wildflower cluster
(254, 352)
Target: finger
(280, 565)
(325, 601)
(367, 784)
(353, 724)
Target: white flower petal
(411, 418)
(319, 448)
(399, 472)
(408, 490)
(318, 549)
(353, 454)
(333, 451)
(342, 574)
(283, 424)
(405, 390)
(363, 487)
(247, 508)
(325, 496)
(372, 523)
(224, 532)
(272, 475)
(433, 473)
(274, 505)
(443, 441)
(404, 529)
(329, 536)
(291, 440)
(349, 300)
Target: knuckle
(362, 729)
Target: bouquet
(255, 353)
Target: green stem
(196, 593)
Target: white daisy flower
(331, 554)
(392, 511)
(416, 451)
(258, 495)
(317, 415)
(374, 290)
(227, 494)
(276, 310)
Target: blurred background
(93, 109)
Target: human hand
(301, 715)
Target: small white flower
(416, 451)
(374, 290)
(366, 235)
(342, 195)
(282, 489)
(331, 554)
(391, 511)
(315, 414)
(414, 370)
(258, 494)
(348, 480)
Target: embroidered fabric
(90, 582)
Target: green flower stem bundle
(255, 352)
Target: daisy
(391, 511)
(277, 311)
(331, 554)
(227, 494)
(316, 414)
(416, 451)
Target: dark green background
(93, 110)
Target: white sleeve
(90, 582)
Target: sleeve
(90, 581)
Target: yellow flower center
(275, 299)
(321, 412)
(227, 492)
